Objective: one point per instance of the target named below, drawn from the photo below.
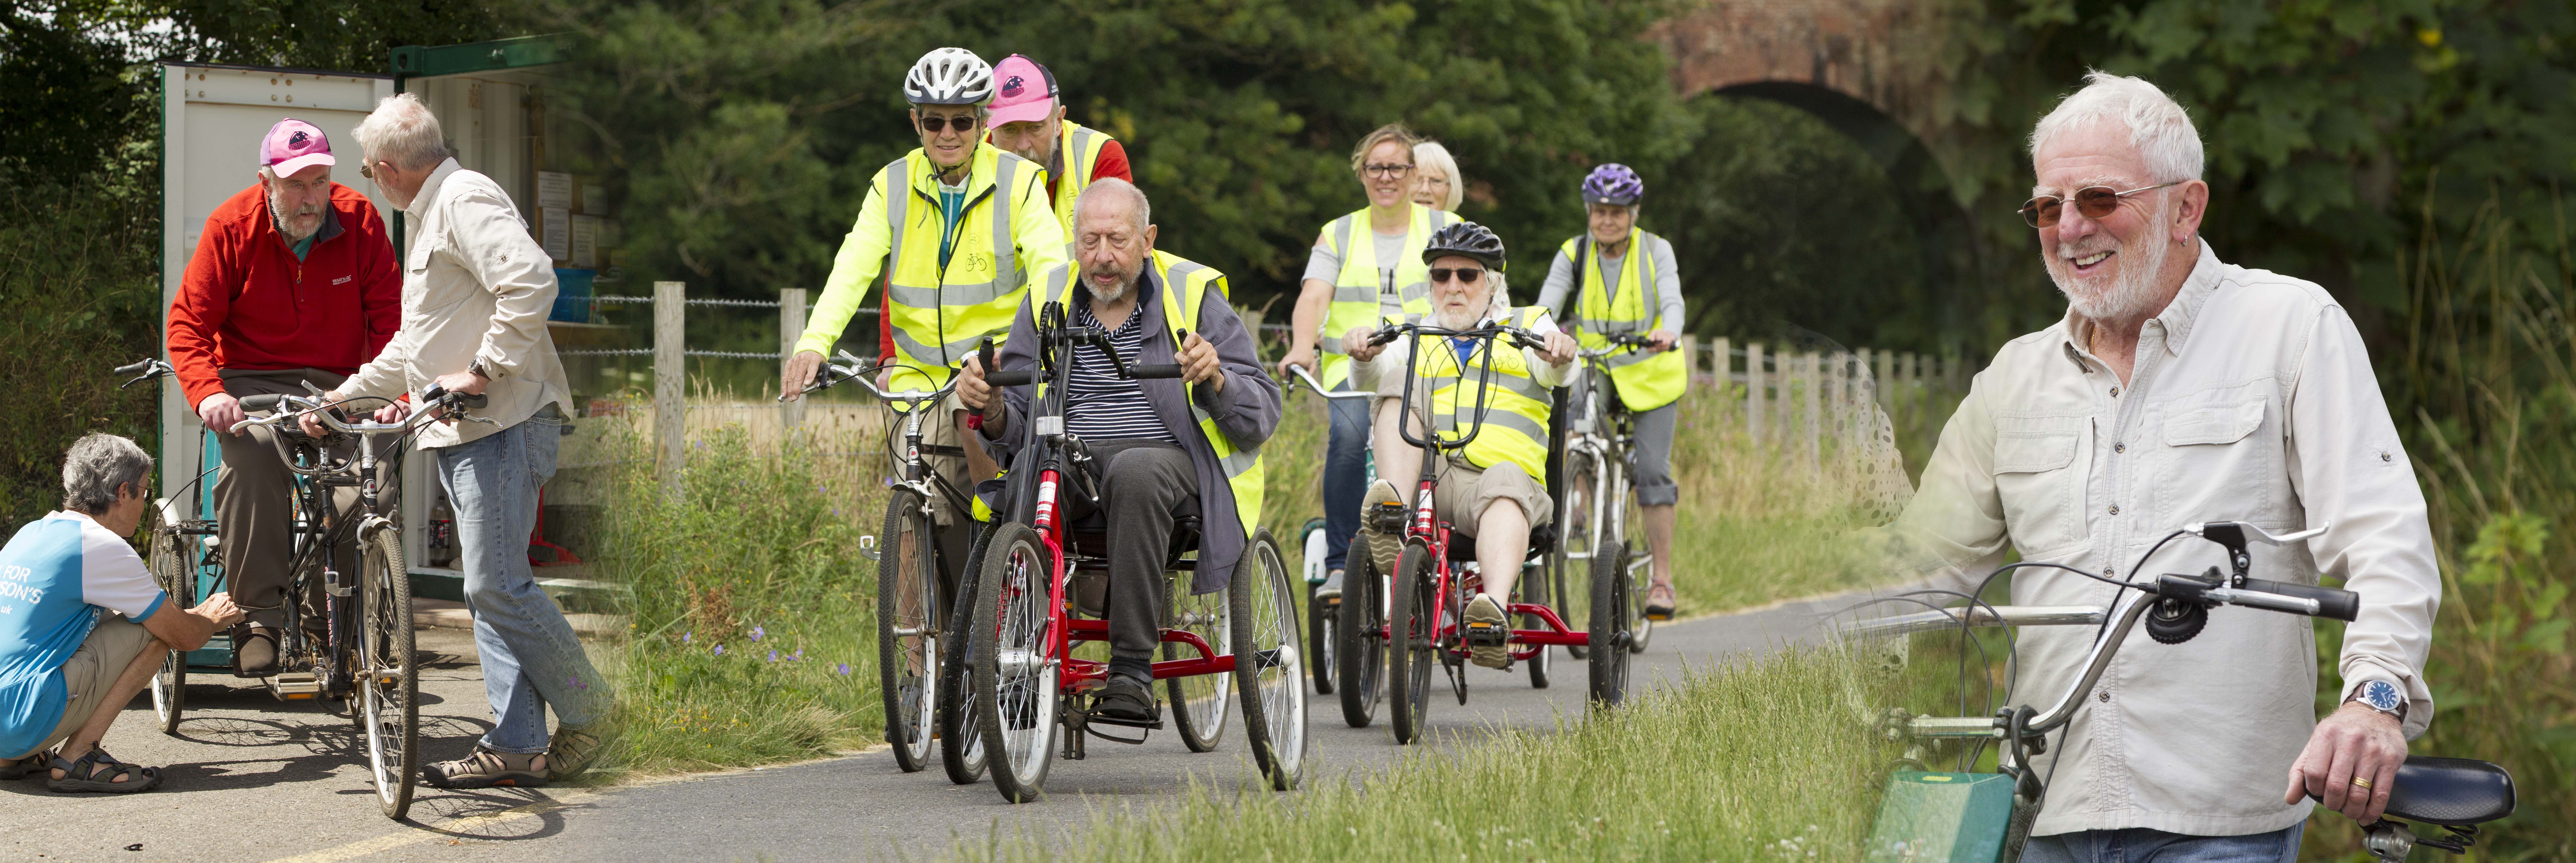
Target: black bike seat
(2455, 791)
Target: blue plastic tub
(572, 295)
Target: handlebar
(287, 408)
(142, 371)
(1318, 386)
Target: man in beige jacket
(2180, 389)
(476, 290)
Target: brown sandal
(84, 775)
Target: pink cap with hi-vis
(294, 145)
(1026, 94)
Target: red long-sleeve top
(247, 303)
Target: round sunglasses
(2093, 201)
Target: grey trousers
(1144, 486)
(255, 507)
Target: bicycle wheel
(1538, 591)
(171, 572)
(1609, 634)
(1574, 518)
(908, 630)
(1320, 616)
(1015, 677)
(1266, 664)
(1359, 632)
(1200, 701)
(1414, 650)
(389, 676)
(961, 737)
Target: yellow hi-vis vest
(1361, 297)
(1646, 381)
(1516, 409)
(1079, 148)
(940, 314)
(1185, 288)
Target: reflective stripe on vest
(941, 315)
(1516, 406)
(1645, 380)
(1079, 146)
(1358, 301)
(1185, 288)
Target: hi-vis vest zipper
(1185, 287)
(1646, 381)
(1516, 409)
(1361, 296)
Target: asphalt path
(251, 778)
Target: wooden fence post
(670, 381)
(1721, 366)
(1880, 384)
(1754, 416)
(1811, 367)
(791, 326)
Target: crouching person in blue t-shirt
(82, 626)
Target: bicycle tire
(1200, 702)
(908, 599)
(1267, 672)
(1412, 650)
(1361, 631)
(1610, 598)
(1320, 617)
(1574, 518)
(389, 672)
(170, 572)
(1016, 694)
(961, 737)
(1539, 592)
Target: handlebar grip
(1157, 370)
(132, 368)
(266, 402)
(2336, 603)
(473, 401)
(1010, 379)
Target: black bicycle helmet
(1468, 239)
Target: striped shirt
(1100, 405)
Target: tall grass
(1757, 761)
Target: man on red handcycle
(1495, 489)
(1165, 449)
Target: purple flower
(836, 512)
(684, 637)
(757, 632)
(800, 654)
(845, 669)
(719, 650)
(773, 656)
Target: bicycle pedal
(1387, 517)
(1479, 632)
(294, 686)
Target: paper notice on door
(585, 242)
(554, 189)
(555, 232)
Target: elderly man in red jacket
(293, 281)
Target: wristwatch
(2382, 696)
(477, 367)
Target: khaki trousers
(255, 507)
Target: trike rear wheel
(1016, 676)
(1360, 636)
(1200, 702)
(1541, 589)
(1611, 598)
(1414, 651)
(1267, 668)
(1320, 616)
(961, 735)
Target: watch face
(2381, 694)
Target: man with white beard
(2181, 389)
(1495, 489)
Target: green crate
(1945, 817)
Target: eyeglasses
(1466, 275)
(961, 123)
(1388, 171)
(2093, 201)
(367, 170)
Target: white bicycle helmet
(949, 76)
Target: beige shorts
(1465, 492)
(94, 668)
(938, 429)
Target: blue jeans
(2141, 845)
(530, 657)
(1345, 475)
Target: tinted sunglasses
(2093, 201)
(1466, 275)
(962, 123)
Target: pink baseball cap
(1027, 92)
(294, 145)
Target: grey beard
(2128, 295)
(277, 216)
(1109, 295)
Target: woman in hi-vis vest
(1367, 267)
(1628, 285)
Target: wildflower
(773, 656)
(719, 650)
(800, 654)
(684, 637)
(845, 669)
(757, 633)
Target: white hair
(2158, 127)
(1107, 188)
(1431, 154)
(403, 131)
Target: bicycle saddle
(2453, 791)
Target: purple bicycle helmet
(1613, 183)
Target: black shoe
(1125, 698)
(255, 654)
